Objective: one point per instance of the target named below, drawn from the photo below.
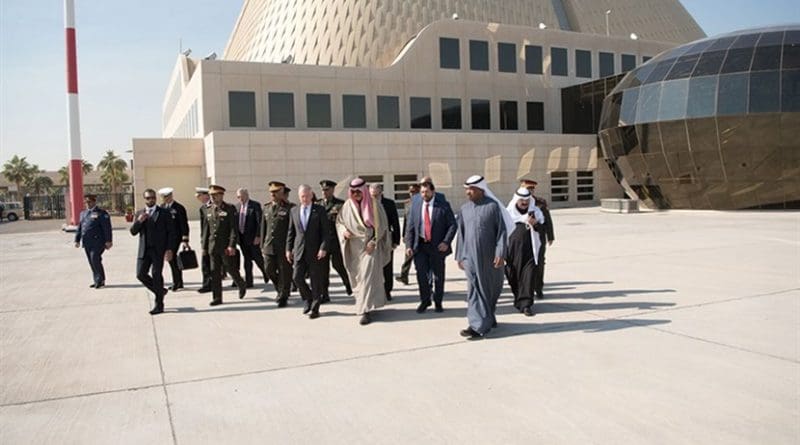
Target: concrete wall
(176, 163)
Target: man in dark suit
(546, 234)
(94, 229)
(181, 221)
(201, 193)
(376, 190)
(248, 219)
(429, 233)
(332, 206)
(219, 243)
(306, 248)
(405, 269)
(157, 235)
(274, 227)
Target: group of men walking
(295, 245)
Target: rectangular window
(559, 186)
(606, 64)
(585, 185)
(449, 57)
(388, 112)
(507, 57)
(765, 92)
(558, 62)
(508, 115)
(242, 108)
(481, 115)
(535, 111)
(790, 91)
(318, 110)
(451, 114)
(583, 63)
(645, 59)
(673, 99)
(533, 59)
(702, 97)
(732, 94)
(401, 184)
(420, 112)
(479, 55)
(281, 110)
(354, 111)
(628, 62)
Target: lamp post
(608, 11)
(73, 116)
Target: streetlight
(542, 26)
(608, 11)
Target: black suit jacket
(252, 222)
(316, 237)
(181, 221)
(394, 220)
(443, 224)
(156, 234)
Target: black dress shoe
(157, 310)
(349, 291)
(215, 303)
(402, 279)
(539, 296)
(307, 307)
(494, 324)
(99, 285)
(314, 314)
(93, 285)
(242, 292)
(423, 307)
(439, 308)
(204, 290)
(233, 284)
(388, 296)
(250, 286)
(283, 303)
(365, 319)
(470, 333)
(174, 287)
(326, 299)
(528, 311)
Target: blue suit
(94, 231)
(428, 260)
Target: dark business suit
(205, 262)
(394, 226)
(250, 252)
(334, 258)
(94, 231)
(156, 236)
(547, 235)
(428, 261)
(181, 221)
(304, 245)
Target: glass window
(732, 94)
(449, 56)
(791, 50)
(558, 62)
(354, 111)
(508, 115)
(481, 115)
(702, 96)
(388, 112)
(738, 60)
(790, 91)
(768, 52)
(583, 63)
(242, 108)
(318, 110)
(533, 59)
(420, 112)
(281, 110)
(630, 99)
(507, 57)
(646, 58)
(649, 97)
(709, 63)
(451, 114)
(683, 67)
(660, 71)
(606, 64)
(535, 116)
(765, 92)
(628, 62)
(479, 55)
(721, 44)
(673, 99)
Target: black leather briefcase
(187, 259)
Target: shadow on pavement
(515, 329)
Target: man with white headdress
(482, 243)
(363, 230)
(524, 243)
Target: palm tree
(18, 171)
(42, 184)
(113, 176)
(64, 172)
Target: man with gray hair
(248, 218)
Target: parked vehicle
(10, 210)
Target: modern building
(713, 124)
(393, 90)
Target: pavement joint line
(163, 379)
(634, 255)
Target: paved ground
(675, 327)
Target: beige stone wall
(176, 163)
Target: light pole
(75, 162)
(608, 11)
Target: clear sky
(126, 52)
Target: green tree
(42, 184)
(113, 174)
(18, 171)
(63, 172)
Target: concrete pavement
(665, 327)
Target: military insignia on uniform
(282, 213)
(223, 214)
(94, 215)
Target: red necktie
(427, 222)
(242, 216)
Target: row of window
(242, 112)
(450, 58)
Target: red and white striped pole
(73, 117)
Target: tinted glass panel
(790, 90)
(791, 50)
(451, 114)
(660, 71)
(507, 57)
(673, 99)
(583, 63)
(732, 94)
(683, 67)
(354, 111)
(448, 53)
(508, 115)
(388, 112)
(649, 97)
(535, 118)
(606, 64)
(479, 55)
(767, 58)
(318, 109)
(558, 62)
(699, 47)
(242, 108)
(721, 44)
(765, 92)
(710, 63)
(645, 59)
(281, 110)
(628, 62)
(533, 59)
(738, 60)
(702, 96)
(630, 98)
(746, 41)
(481, 115)
(420, 112)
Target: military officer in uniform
(219, 243)
(94, 230)
(201, 193)
(181, 221)
(274, 227)
(332, 207)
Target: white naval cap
(166, 191)
(201, 190)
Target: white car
(11, 210)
